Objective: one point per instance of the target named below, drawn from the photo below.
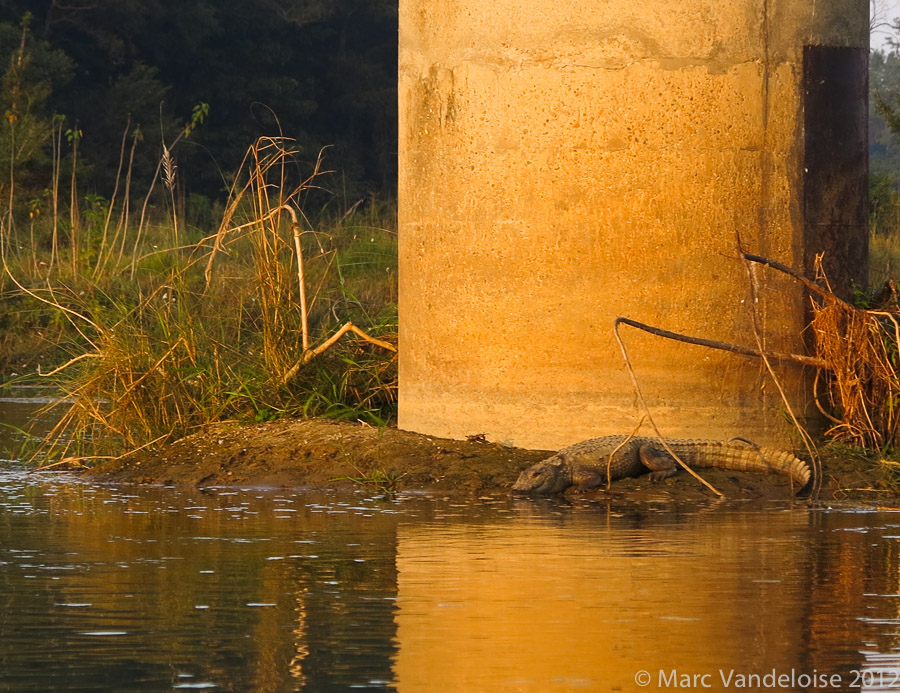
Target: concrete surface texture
(565, 163)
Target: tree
(322, 73)
(32, 69)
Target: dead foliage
(860, 390)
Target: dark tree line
(320, 71)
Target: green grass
(884, 257)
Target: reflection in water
(857, 577)
(590, 601)
(105, 588)
(102, 589)
(25, 412)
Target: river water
(107, 588)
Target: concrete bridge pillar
(565, 163)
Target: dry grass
(884, 257)
(859, 392)
(236, 326)
(857, 386)
(862, 390)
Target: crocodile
(584, 465)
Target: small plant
(385, 483)
(29, 442)
(889, 473)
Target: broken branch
(811, 285)
(725, 346)
(310, 354)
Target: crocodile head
(546, 477)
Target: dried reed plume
(169, 169)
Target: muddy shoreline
(323, 454)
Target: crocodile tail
(744, 456)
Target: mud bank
(319, 454)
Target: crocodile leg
(660, 463)
(587, 479)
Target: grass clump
(233, 326)
(860, 346)
(858, 391)
(385, 483)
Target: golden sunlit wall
(565, 163)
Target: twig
(757, 333)
(310, 354)
(725, 346)
(811, 285)
(301, 279)
(68, 363)
(619, 447)
(346, 327)
(819, 404)
(640, 395)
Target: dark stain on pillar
(836, 163)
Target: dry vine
(757, 333)
(637, 388)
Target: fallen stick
(791, 272)
(724, 346)
(310, 354)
